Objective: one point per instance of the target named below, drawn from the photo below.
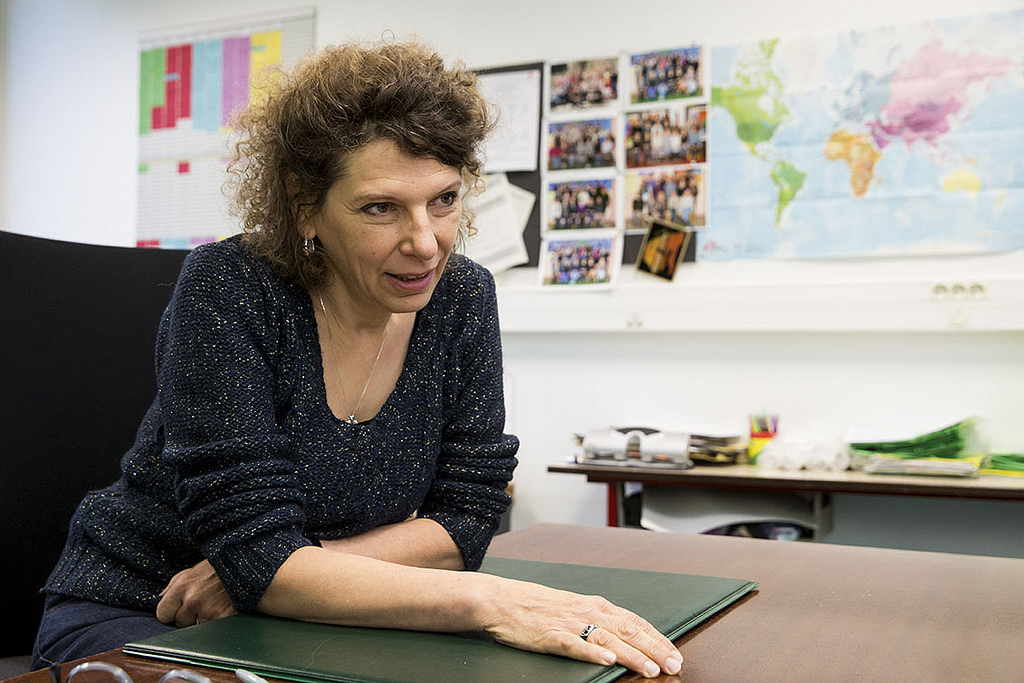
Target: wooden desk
(823, 612)
(819, 484)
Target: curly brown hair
(295, 140)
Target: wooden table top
(822, 612)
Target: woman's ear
(295, 205)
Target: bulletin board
(528, 179)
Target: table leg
(616, 507)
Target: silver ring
(587, 630)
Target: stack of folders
(717, 450)
(1008, 464)
(941, 452)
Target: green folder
(307, 652)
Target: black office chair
(77, 332)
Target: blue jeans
(71, 629)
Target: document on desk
(306, 652)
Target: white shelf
(976, 294)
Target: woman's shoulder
(227, 262)
(464, 298)
(223, 254)
(464, 276)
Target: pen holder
(757, 443)
(762, 430)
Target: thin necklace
(351, 419)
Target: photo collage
(624, 151)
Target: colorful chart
(191, 84)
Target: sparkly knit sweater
(240, 460)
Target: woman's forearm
(414, 542)
(315, 584)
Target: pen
(248, 676)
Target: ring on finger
(587, 630)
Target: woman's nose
(420, 239)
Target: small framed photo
(696, 133)
(584, 84)
(581, 144)
(660, 137)
(673, 195)
(581, 204)
(664, 246)
(666, 75)
(590, 261)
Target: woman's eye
(377, 208)
(448, 198)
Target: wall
(68, 148)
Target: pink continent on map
(930, 88)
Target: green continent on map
(789, 179)
(755, 99)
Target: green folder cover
(307, 652)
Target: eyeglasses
(101, 672)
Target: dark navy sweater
(240, 460)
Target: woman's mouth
(412, 282)
(412, 278)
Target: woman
(327, 440)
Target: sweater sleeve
(233, 474)
(477, 458)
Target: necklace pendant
(351, 420)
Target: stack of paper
(1009, 464)
(717, 450)
(967, 466)
(940, 452)
(501, 214)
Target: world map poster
(191, 83)
(905, 140)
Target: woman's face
(387, 227)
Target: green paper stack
(941, 452)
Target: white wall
(72, 71)
(69, 151)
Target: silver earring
(308, 247)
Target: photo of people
(581, 144)
(578, 85)
(662, 249)
(675, 196)
(658, 137)
(666, 75)
(585, 261)
(581, 204)
(697, 132)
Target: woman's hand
(194, 595)
(541, 619)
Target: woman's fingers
(192, 596)
(546, 620)
(636, 649)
